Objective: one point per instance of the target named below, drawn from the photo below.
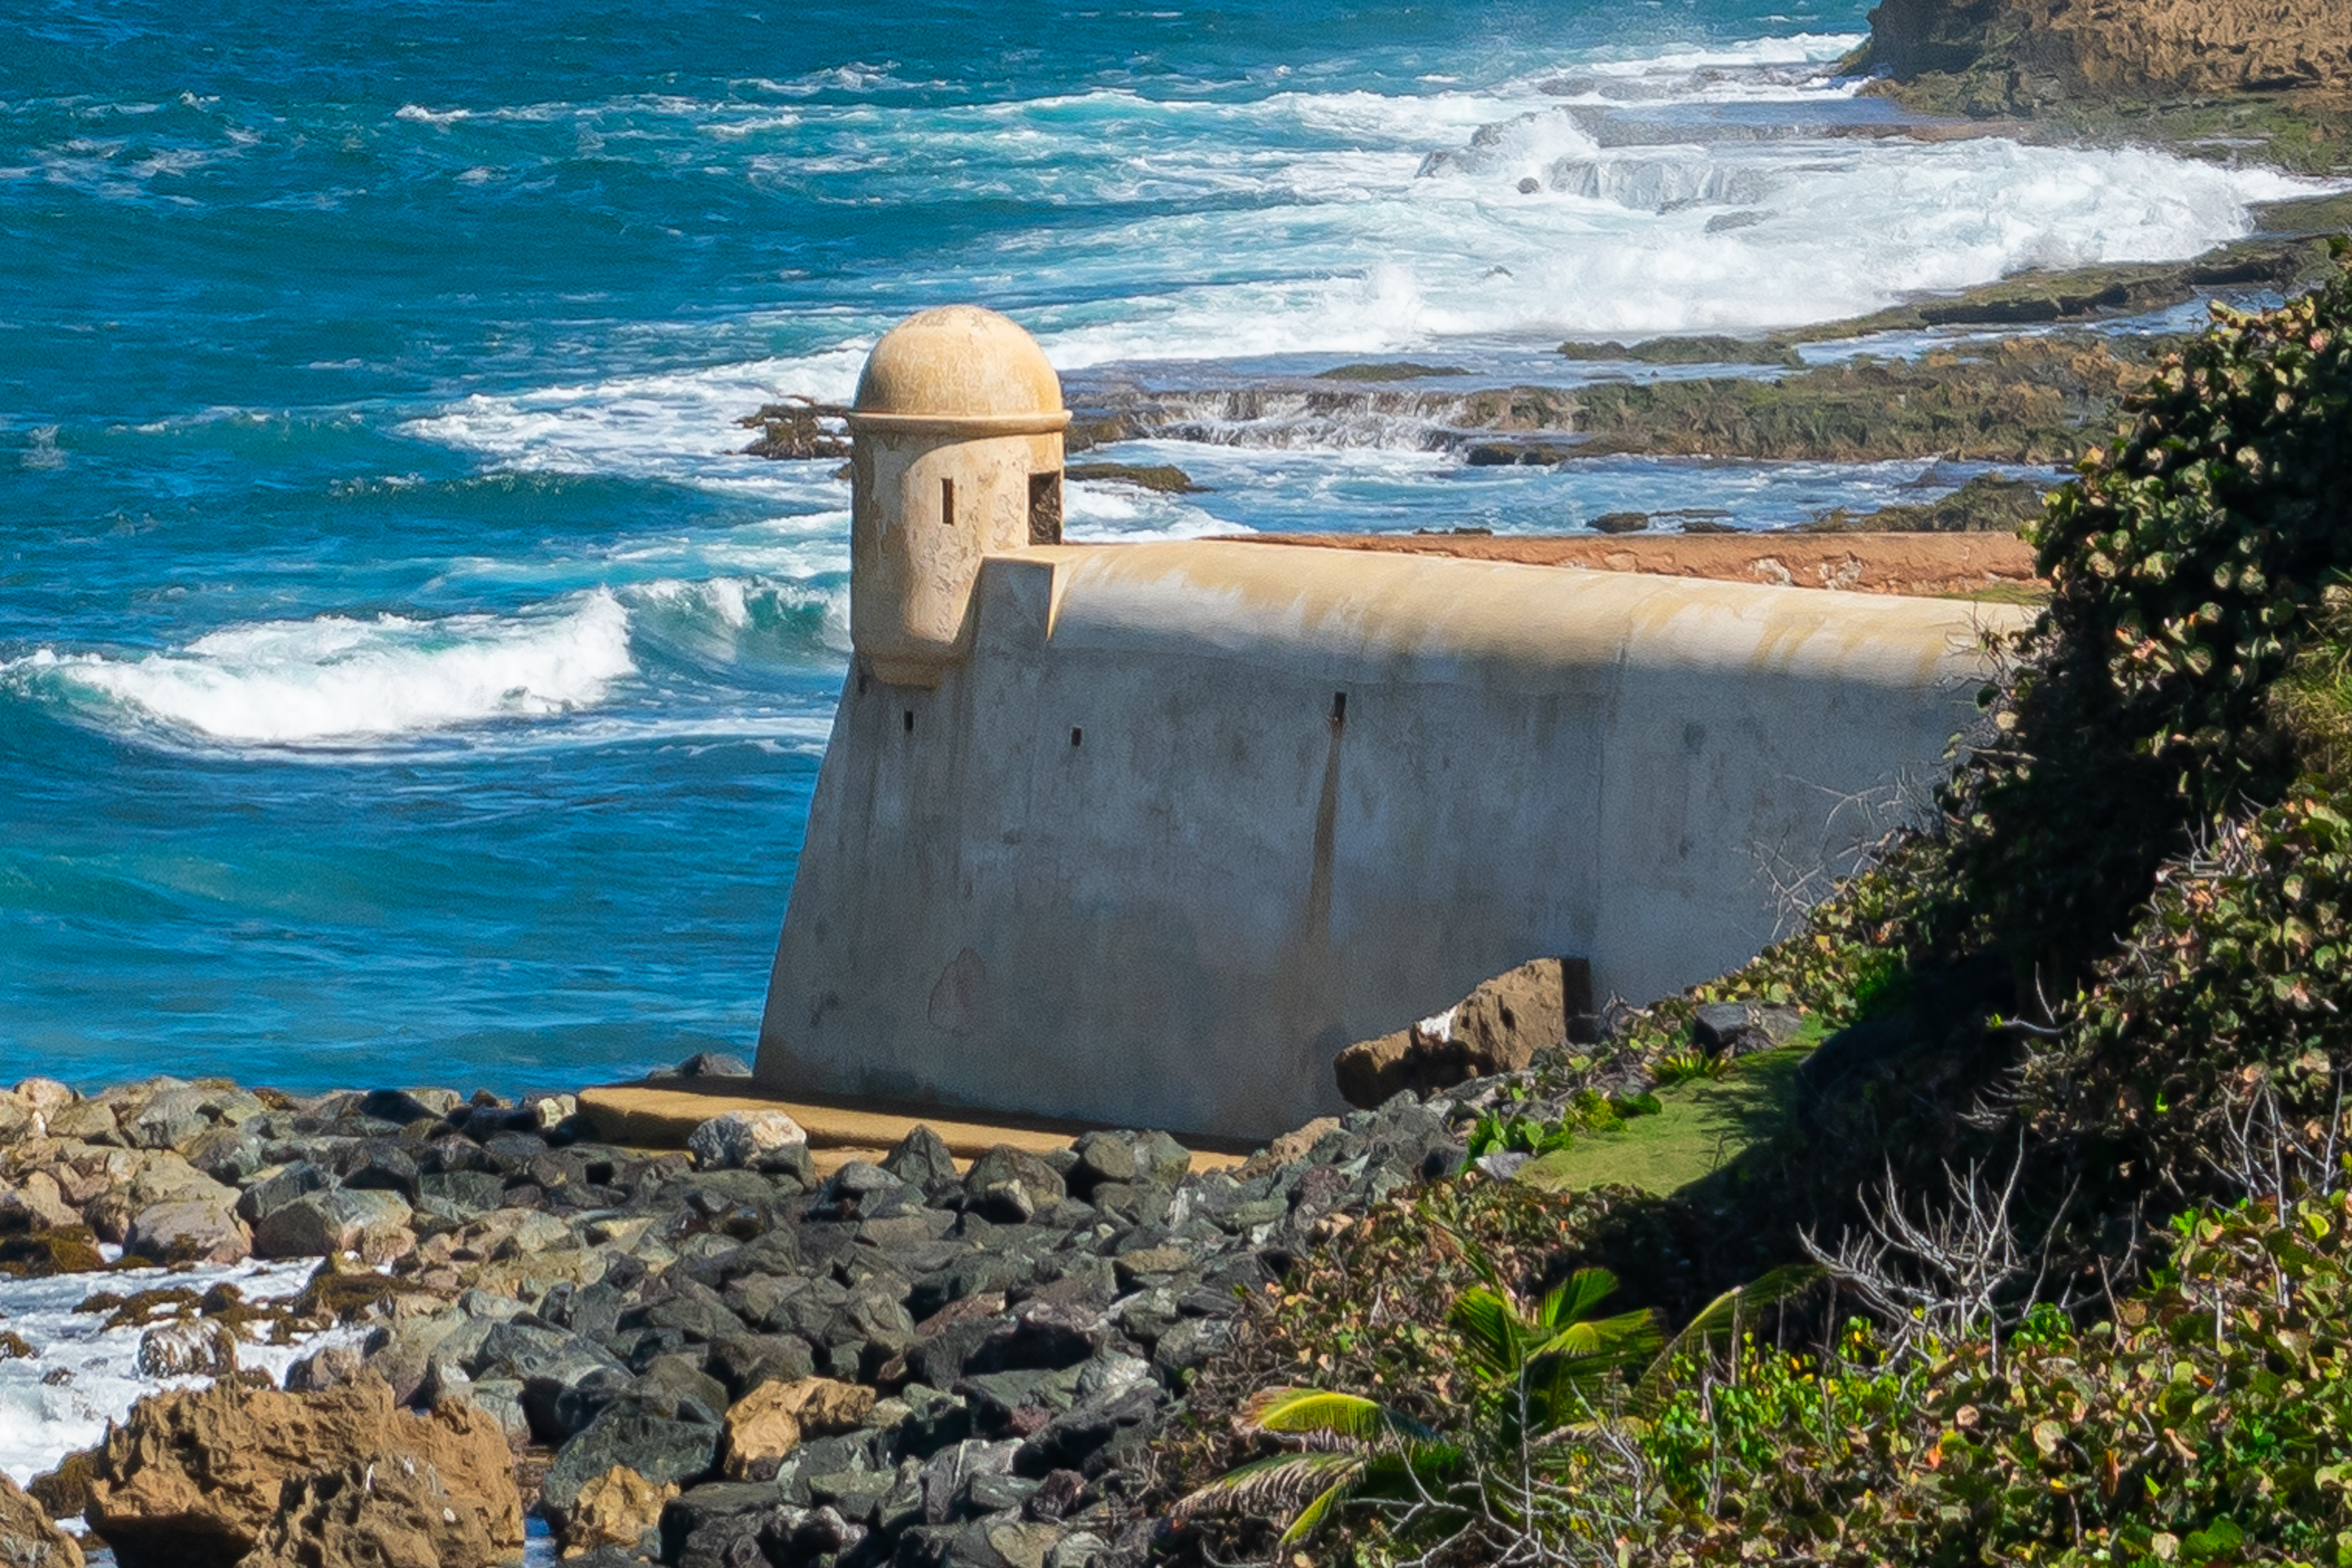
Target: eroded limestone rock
(194, 1477)
(1497, 1028)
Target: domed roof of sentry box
(957, 364)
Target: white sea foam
(83, 1375)
(336, 679)
(1368, 223)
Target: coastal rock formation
(2024, 54)
(898, 1356)
(28, 1539)
(390, 1512)
(1497, 1028)
(193, 1478)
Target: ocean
(403, 676)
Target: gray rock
(331, 1221)
(189, 1230)
(1106, 1157)
(280, 1187)
(1189, 1343)
(662, 1448)
(740, 1140)
(714, 1064)
(708, 1526)
(1012, 1184)
(920, 1158)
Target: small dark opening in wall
(1076, 735)
(947, 503)
(911, 721)
(1045, 507)
(1338, 707)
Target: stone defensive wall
(1146, 834)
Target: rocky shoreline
(705, 1357)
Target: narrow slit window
(947, 503)
(1338, 707)
(1045, 507)
(1076, 735)
(911, 721)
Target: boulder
(661, 1448)
(766, 1424)
(40, 1201)
(1012, 1184)
(28, 1539)
(198, 1347)
(744, 1140)
(1291, 1146)
(1497, 1028)
(920, 1158)
(714, 1064)
(1741, 1028)
(619, 1507)
(394, 1512)
(761, 1436)
(189, 1230)
(192, 1478)
(45, 1095)
(372, 1223)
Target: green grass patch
(1699, 1124)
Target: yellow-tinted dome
(958, 362)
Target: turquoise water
(402, 677)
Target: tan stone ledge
(1923, 566)
(659, 1115)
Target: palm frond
(1320, 1411)
(1277, 1484)
(1716, 1325)
(1575, 1296)
(1489, 1322)
(1623, 1339)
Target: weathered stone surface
(760, 1435)
(767, 1424)
(28, 1539)
(1012, 1184)
(40, 1201)
(374, 1224)
(1738, 1028)
(394, 1512)
(744, 1140)
(619, 1507)
(661, 1448)
(920, 1158)
(1497, 1028)
(194, 1476)
(189, 1230)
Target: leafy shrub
(2183, 563)
(2210, 1421)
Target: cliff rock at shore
(2019, 56)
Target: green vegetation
(2105, 983)
(1388, 369)
(1704, 348)
(2019, 400)
(1701, 1121)
(1986, 504)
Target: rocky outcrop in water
(2024, 54)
